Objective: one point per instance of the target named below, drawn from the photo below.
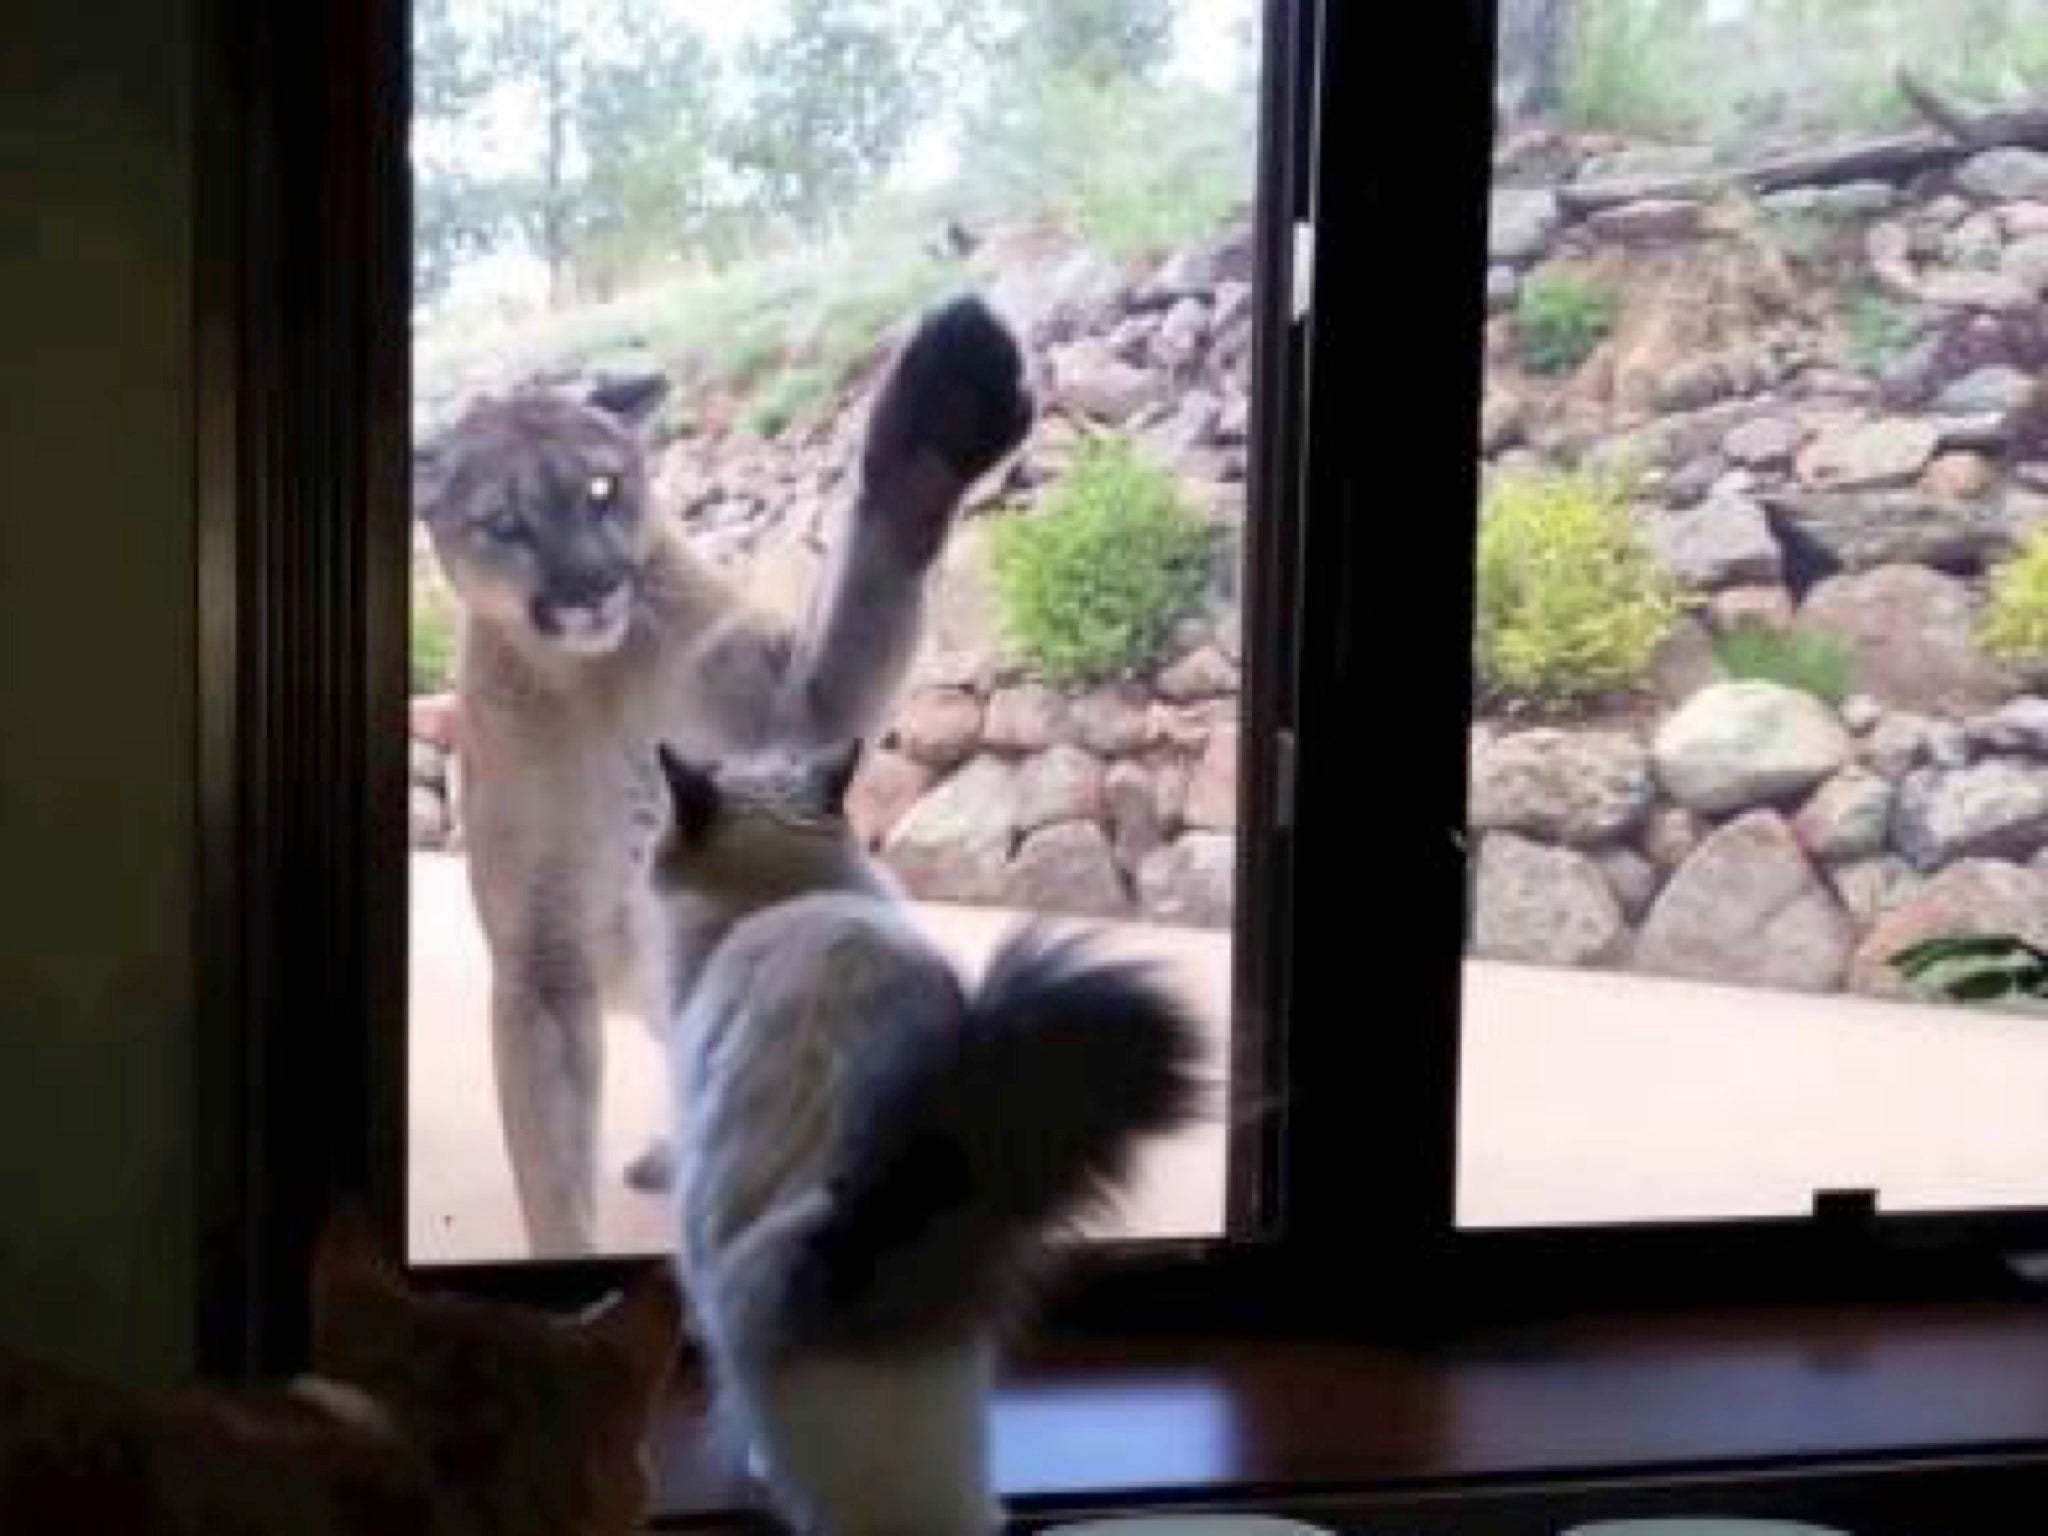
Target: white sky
(1205, 50)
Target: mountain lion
(591, 630)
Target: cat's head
(532, 1422)
(768, 824)
(538, 509)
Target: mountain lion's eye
(504, 524)
(601, 492)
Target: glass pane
(1763, 612)
(702, 231)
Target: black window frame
(1366, 414)
(303, 379)
(1406, 262)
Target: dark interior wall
(97, 847)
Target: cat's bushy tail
(967, 1149)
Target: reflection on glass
(713, 225)
(1762, 617)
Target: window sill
(1273, 1424)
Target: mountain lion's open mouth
(587, 629)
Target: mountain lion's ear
(692, 793)
(835, 775)
(632, 399)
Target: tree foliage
(607, 137)
(830, 103)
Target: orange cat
(424, 1416)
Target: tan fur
(555, 760)
(561, 799)
(464, 1419)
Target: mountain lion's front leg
(954, 404)
(539, 886)
(547, 1043)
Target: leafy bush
(1880, 329)
(1971, 968)
(791, 395)
(1807, 238)
(433, 639)
(2015, 623)
(1571, 606)
(1089, 587)
(1561, 317)
(1813, 663)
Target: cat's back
(770, 1045)
(824, 973)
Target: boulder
(1976, 897)
(1189, 881)
(1540, 905)
(1581, 788)
(1067, 868)
(1737, 745)
(954, 843)
(1748, 909)
(1994, 809)
(1912, 632)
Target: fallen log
(1891, 158)
(1950, 119)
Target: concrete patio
(1588, 1097)
(462, 1208)
(1592, 1096)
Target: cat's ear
(632, 399)
(692, 794)
(350, 1262)
(642, 1326)
(835, 776)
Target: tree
(832, 99)
(456, 218)
(647, 123)
(619, 99)
(1533, 38)
(530, 45)
(1102, 42)
(450, 221)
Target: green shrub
(2015, 624)
(1571, 606)
(433, 639)
(791, 395)
(1975, 968)
(747, 359)
(1561, 317)
(1880, 329)
(1808, 238)
(1793, 658)
(1089, 587)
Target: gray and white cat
(874, 1160)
